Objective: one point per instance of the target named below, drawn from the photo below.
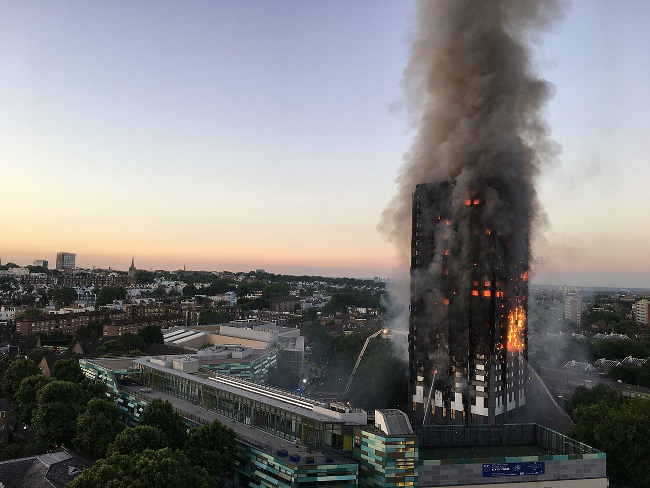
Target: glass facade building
(278, 412)
(387, 452)
(255, 369)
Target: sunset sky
(246, 134)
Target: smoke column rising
(478, 109)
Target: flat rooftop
(283, 400)
(113, 364)
(258, 438)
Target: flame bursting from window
(516, 324)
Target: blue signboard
(513, 469)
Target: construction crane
(356, 365)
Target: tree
(320, 341)
(149, 469)
(584, 397)
(143, 277)
(190, 290)
(107, 294)
(212, 447)
(93, 389)
(380, 382)
(97, 427)
(129, 341)
(623, 434)
(629, 327)
(64, 296)
(5, 362)
(93, 330)
(110, 346)
(38, 354)
(220, 286)
(161, 415)
(151, 334)
(18, 370)
(25, 399)
(31, 312)
(159, 290)
(67, 370)
(55, 417)
(208, 316)
(137, 440)
(633, 375)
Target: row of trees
(51, 406)
(134, 343)
(618, 426)
(632, 375)
(158, 452)
(350, 297)
(72, 410)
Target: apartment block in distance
(642, 312)
(65, 260)
(573, 309)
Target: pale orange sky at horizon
(244, 135)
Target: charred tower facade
(467, 326)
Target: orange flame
(516, 325)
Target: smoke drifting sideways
(477, 106)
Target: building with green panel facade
(284, 440)
(288, 441)
(388, 452)
(252, 366)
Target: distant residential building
(55, 469)
(41, 262)
(66, 323)
(119, 327)
(65, 260)
(17, 345)
(7, 313)
(573, 309)
(74, 280)
(47, 364)
(285, 304)
(17, 271)
(642, 312)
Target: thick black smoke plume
(478, 107)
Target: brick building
(117, 328)
(66, 323)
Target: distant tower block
(65, 260)
(467, 325)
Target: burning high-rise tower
(467, 190)
(467, 327)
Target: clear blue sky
(243, 134)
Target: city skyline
(244, 136)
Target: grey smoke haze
(477, 106)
